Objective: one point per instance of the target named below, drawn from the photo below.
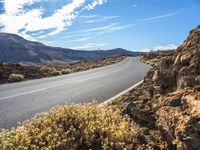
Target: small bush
(45, 70)
(73, 127)
(55, 72)
(15, 77)
(66, 71)
(77, 69)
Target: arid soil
(35, 72)
(166, 107)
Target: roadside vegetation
(18, 72)
(73, 127)
(15, 77)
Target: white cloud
(100, 28)
(122, 27)
(109, 28)
(89, 46)
(94, 4)
(88, 16)
(160, 47)
(165, 47)
(86, 34)
(96, 19)
(17, 18)
(81, 39)
(167, 15)
(158, 17)
(15, 7)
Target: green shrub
(73, 127)
(15, 77)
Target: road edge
(120, 94)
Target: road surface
(21, 101)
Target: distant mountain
(15, 49)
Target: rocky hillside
(15, 49)
(167, 105)
(153, 57)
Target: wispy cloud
(90, 33)
(99, 28)
(160, 47)
(108, 28)
(97, 19)
(89, 46)
(121, 27)
(81, 39)
(17, 18)
(165, 47)
(94, 4)
(88, 16)
(158, 17)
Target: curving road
(21, 101)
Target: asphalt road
(21, 101)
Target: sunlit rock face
(169, 99)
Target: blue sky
(105, 24)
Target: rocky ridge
(168, 102)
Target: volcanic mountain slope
(15, 49)
(168, 102)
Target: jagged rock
(197, 79)
(129, 99)
(185, 59)
(155, 76)
(193, 69)
(184, 71)
(169, 98)
(175, 102)
(186, 81)
(165, 64)
(177, 60)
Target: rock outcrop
(153, 57)
(168, 101)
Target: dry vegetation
(18, 72)
(15, 77)
(73, 127)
